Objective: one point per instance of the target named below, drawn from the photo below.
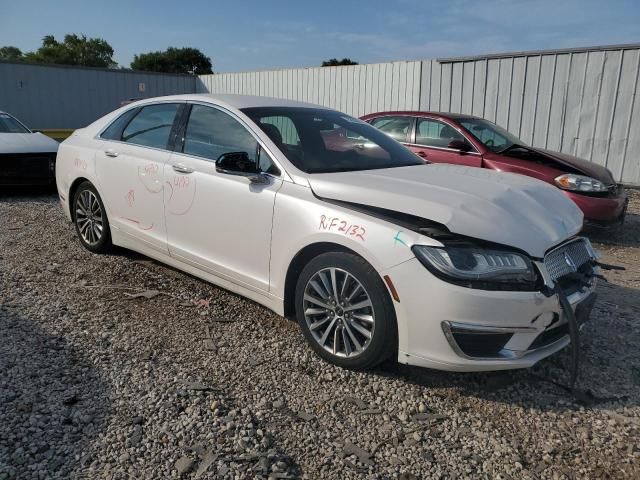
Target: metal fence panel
(579, 101)
(60, 97)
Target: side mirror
(239, 163)
(236, 163)
(464, 147)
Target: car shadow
(53, 402)
(609, 367)
(20, 194)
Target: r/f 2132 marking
(338, 225)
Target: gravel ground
(200, 383)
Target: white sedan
(26, 157)
(321, 217)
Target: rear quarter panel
(75, 161)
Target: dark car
(476, 142)
(26, 157)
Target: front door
(130, 171)
(218, 222)
(432, 143)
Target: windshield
(321, 141)
(8, 124)
(495, 138)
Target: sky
(246, 35)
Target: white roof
(238, 101)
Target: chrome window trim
(443, 148)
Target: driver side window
(488, 136)
(211, 132)
(433, 133)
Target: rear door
(432, 138)
(130, 167)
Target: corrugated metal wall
(45, 96)
(578, 101)
(356, 90)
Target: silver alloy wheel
(89, 217)
(338, 312)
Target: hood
(27, 143)
(504, 208)
(583, 166)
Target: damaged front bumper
(482, 342)
(450, 327)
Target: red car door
(439, 142)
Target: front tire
(345, 311)
(90, 219)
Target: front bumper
(520, 326)
(601, 209)
(27, 169)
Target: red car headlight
(579, 183)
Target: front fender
(300, 219)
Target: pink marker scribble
(182, 195)
(140, 225)
(180, 190)
(171, 194)
(150, 177)
(80, 163)
(131, 197)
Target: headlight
(479, 267)
(580, 183)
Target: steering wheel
(489, 143)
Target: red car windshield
(495, 138)
(8, 124)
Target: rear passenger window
(210, 133)
(434, 133)
(398, 128)
(151, 126)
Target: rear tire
(345, 311)
(90, 219)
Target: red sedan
(475, 142)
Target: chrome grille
(568, 258)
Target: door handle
(180, 168)
(422, 154)
(110, 153)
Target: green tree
(74, 50)
(11, 54)
(173, 60)
(334, 62)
